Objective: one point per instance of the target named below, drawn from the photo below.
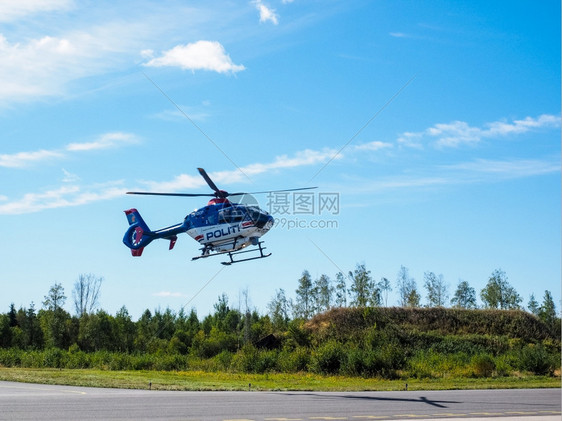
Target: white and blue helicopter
(221, 227)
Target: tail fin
(138, 236)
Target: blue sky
(436, 124)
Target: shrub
(328, 358)
(535, 358)
(483, 365)
(293, 361)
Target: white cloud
(105, 141)
(22, 159)
(69, 177)
(167, 294)
(373, 146)
(266, 14)
(62, 197)
(515, 168)
(398, 35)
(44, 66)
(200, 55)
(184, 182)
(458, 133)
(15, 9)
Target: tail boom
(138, 236)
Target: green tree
(12, 316)
(465, 296)
(407, 289)
(304, 301)
(5, 331)
(323, 293)
(53, 318)
(125, 331)
(363, 290)
(32, 335)
(279, 310)
(385, 287)
(340, 290)
(437, 290)
(533, 305)
(498, 293)
(547, 310)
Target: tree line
(359, 289)
(92, 329)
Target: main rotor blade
(208, 179)
(272, 191)
(145, 193)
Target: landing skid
(231, 254)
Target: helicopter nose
(264, 219)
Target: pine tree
(533, 305)
(547, 310)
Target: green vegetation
(346, 348)
(202, 380)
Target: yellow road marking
(486, 413)
(328, 418)
(522, 413)
(369, 417)
(448, 414)
(283, 419)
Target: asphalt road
(20, 401)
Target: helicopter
(222, 227)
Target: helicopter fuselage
(221, 226)
(227, 226)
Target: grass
(198, 380)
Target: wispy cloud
(39, 67)
(23, 159)
(373, 146)
(169, 294)
(104, 141)
(507, 169)
(472, 172)
(459, 133)
(200, 55)
(15, 9)
(62, 197)
(176, 115)
(267, 14)
(306, 157)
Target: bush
(483, 365)
(292, 361)
(535, 358)
(328, 358)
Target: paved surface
(20, 401)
